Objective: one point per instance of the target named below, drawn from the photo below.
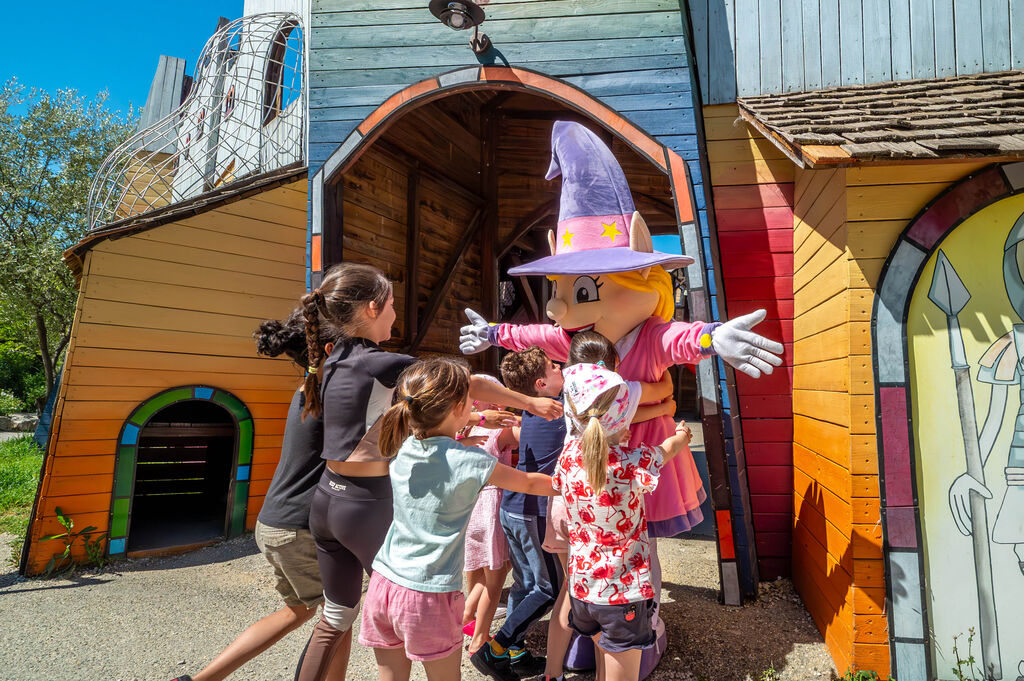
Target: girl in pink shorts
(414, 604)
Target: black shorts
(622, 627)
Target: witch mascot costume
(607, 277)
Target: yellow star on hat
(567, 239)
(610, 231)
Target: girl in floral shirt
(603, 482)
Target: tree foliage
(50, 148)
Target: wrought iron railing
(244, 116)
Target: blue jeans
(537, 577)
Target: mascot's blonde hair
(657, 280)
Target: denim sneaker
(525, 664)
(494, 666)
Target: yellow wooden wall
(846, 221)
(173, 305)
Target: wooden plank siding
(753, 47)
(174, 305)
(752, 186)
(845, 224)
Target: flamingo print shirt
(609, 550)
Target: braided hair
(346, 290)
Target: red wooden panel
(770, 479)
(771, 569)
(774, 544)
(766, 406)
(772, 503)
(314, 251)
(779, 382)
(768, 453)
(754, 195)
(756, 264)
(744, 220)
(753, 241)
(767, 430)
(773, 522)
(758, 288)
(778, 308)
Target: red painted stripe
(774, 544)
(770, 479)
(767, 430)
(758, 288)
(772, 503)
(725, 543)
(779, 453)
(756, 264)
(753, 195)
(771, 569)
(773, 522)
(766, 406)
(779, 382)
(746, 219)
(315, 254)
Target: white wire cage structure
(245, 115)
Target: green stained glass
(119, 523)
(238, 508)
(159, 402)
(245, 435)
(232, 404)
(125, 469)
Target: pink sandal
(469, 628)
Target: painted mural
(965, 337)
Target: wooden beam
(526, 224)
(527, 290)
(561, 115)
(656, 205)
(412, 253)
(332, 249)
(409, 160)
(439, 294)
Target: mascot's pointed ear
(551, 240)
(639, 235)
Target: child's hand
(666, 380)
(684, 433)
(496, 418)
(546, 408)
(669, 405)
(474, 440)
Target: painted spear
(950, 295)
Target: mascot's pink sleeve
(674, 506)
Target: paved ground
(152, 619)
(12, 436)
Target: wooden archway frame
(325, 202)
(907, 605)
(125, 458)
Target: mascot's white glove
(960, 500)
(473, 336)
(749, 352)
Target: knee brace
(339, 616)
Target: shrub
(9, 403)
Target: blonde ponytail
(594, 448)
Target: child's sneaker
(495, 666)
(525, 664)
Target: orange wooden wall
(845, 223)
(174, 305)
(752, 185)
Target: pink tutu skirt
(486, 546)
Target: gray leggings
(349, 518)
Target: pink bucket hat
(584, 383)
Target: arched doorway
(949, 309)
(442, 187)
(182, 471)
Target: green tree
(50, 148)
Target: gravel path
(152, 619)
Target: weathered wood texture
(752, 185)
(174, 305)
(750, 47)
(845, 224)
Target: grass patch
(20, 460)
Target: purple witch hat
(599, 231)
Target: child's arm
(656, 392)
(515, 480)
(677, 442)
(482, 390)
(654, 411)
(508, 438)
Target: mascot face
(597, 302)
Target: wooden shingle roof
(980, 115)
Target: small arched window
(282, 83)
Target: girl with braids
(282, 528)
(603, 482)
(352, 505)
(414, 604)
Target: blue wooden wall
(631, 54)
(751, 47)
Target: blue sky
(112, 45)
